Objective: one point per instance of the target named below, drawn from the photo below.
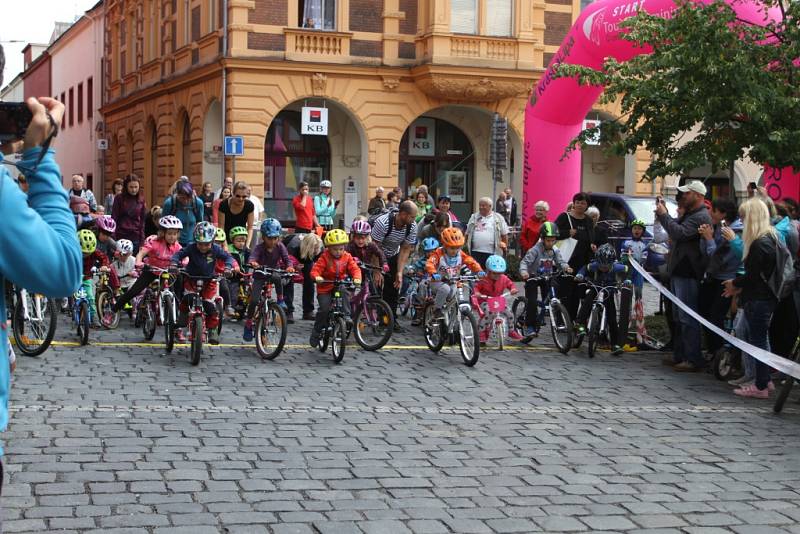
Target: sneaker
(531, 331)
(290, 318)
(213, 336)
(248, 331)
(308, 316)
(751, 390)
(742, 380)
(179, 336)
(616, 350)
(314, 340)
(515, 335)
(686, 367)
(230, 312)
(282, 304)
(580, 330)
(629, 348)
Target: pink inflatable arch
(557, 107)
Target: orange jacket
(434, 260)
(330, 268)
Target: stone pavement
(120, 439)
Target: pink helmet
(361, 228)
(170, 222)
(107, 224)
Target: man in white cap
(686, 268)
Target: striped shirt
(391, 239)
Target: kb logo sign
(315, 121)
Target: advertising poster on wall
(457, 185)
(422, 138)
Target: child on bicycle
(157, 251)
(449, 259)
(273, 254)
(605, 270)
(93, 258)
(542, 260)
(106, 226)
(221, 240)
(238, 249)
(335, 263)
(203, 255)
(417, 269)
(124, 264)
(494, 285)
(636, 248)
(367, 252)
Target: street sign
(234, 145)
(102, 144)
(315, 121)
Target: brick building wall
(366, 16)
(272, 12)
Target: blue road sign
(234, 145)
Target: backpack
(392, 214)
(781, 281)
(199, 208)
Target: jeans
(758, 314)
(715, 308)
(688, 346)
(532, 289)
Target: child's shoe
(630, 348)
(616, 350)
(179, 336)
(248, 330)
(213, 336)
(515, 335)
(314, 339)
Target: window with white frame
(499, 17)
(318, 14)
(464, 16)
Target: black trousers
(533, 288)
(309, 287)
(145, 279)
(391, 293)
(617, 327)
(714, 307)
(783, 327)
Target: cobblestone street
(117, 438)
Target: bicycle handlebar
(269, 271)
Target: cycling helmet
(271, 228)
(496, 264)
(606, 254)
(148, 241)
(361, 228)
(88, 241)
(452, 237)
(548, 229)
(219, 235)
(107, 224)
(170, 222)
(185, 188)
(325, 183)
(236, 231)
(638, 222)
(204, 232)
(124, 246)
(336, 237)
(429, 244)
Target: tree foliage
(736, 83)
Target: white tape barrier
(773, 360)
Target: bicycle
(409, 303)
(150, 306)
(561, 325)
(598, 324)
(788, 381)
(196, 316)
(269, 321)
(81, 312)
(336, 330)
(457, 319)
(33, 321)
(105, 300)
(495, 316)
(373, 316)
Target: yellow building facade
(409, 88)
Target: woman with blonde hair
(760, 241)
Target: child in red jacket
(494, 285)
(333, 264)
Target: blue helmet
(605, 255)
(271, 228)
(495, 264)
(429, 244)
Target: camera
(15, 117)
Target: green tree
(737, 83)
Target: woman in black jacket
(577, 224)
(760, 242)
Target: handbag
(567, 246)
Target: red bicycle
(196, 316)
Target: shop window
(464, 16)
(499, 17)
(317, 14)
(291, 158)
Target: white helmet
(124, 246)
(170, 222)
(325, 183)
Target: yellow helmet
(88, 241)
(219, 234)
(336, 237)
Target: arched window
(186, 150)
(290, 158)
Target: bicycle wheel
(593, 331)
(149, 321)
(468, 338)
(374, 324)
(520, 317)
(338, 339)
(34, 335)
(83, 323)
(169, 323)
(561, 327)
(434, 330)
(197, 339)
(105, 309)
(270, 331)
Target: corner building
(410, 87)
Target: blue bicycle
(81, 315)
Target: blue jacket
(617, 273)
(38, 244)
(202, 263)
(725, 259)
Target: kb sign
(315, 121)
